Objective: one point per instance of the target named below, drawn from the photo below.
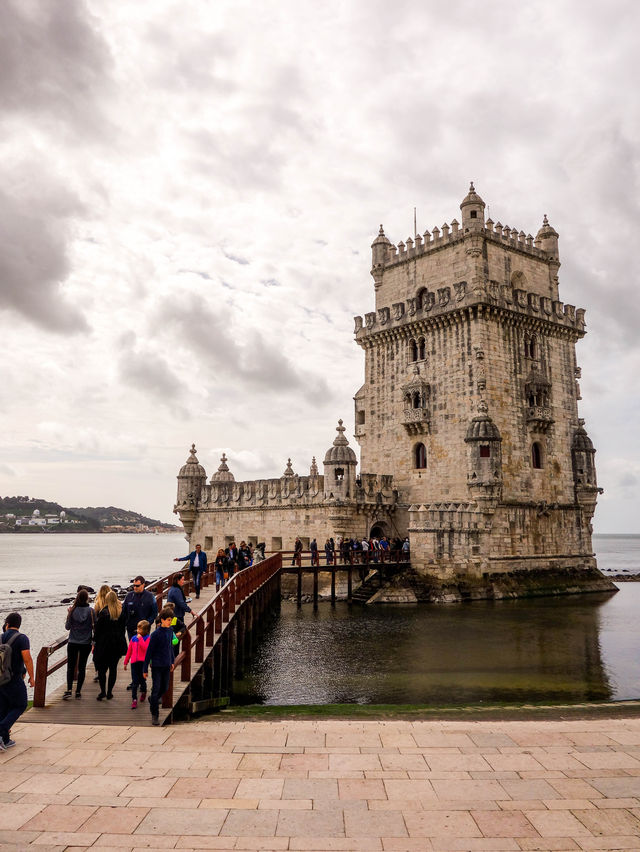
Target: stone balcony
(416, 420)
(539, 417)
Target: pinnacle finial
(288, 470)
(381, 231)
(223, 462)
(314, 467)
(545, 221)
(193, 448)
(472, 187)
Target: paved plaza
(324, 785)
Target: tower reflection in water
(541, 650)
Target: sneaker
(78, 694)
(143, 696)
(2, 746)
(101, 696)
(155, 720)
(134, 704)
(9, 743)
(109, 696)
(66, 695)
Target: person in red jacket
(136, 653)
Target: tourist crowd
(355, 550)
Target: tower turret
(223, 474)
(472, 209)
(547, 239)
(379, 249)
(340, 467)
(484, 472)
(192, 477)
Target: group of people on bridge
(355, 550)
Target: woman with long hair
(175, 595)
(110, 643)
(79, 623)
(220, 566)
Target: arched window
(420, 456)
(421, 349)
(413, 351)
(536, 455)
(416, 399)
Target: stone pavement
(324, 785)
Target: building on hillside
(467, 421)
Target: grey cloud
(147, 372)
(54, 62)
(248, 359)
(236, 259)
(33, 258)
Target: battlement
(287, 491)
(427, 304)
(439, 238)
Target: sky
(188, 195)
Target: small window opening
(416, 400)
(421, 349)
(420, 453)
(413, 351)
(360, 418)
(474, 214)
(339, 474)
(536, 456)
(485, 451)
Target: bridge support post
(299, 595)
(349, 584)
(231, 663)
(216, 685)
(333, 585)
(240, 645)
(315, 590)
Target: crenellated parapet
(428, 305)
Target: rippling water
(566, 649)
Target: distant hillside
(32, 514)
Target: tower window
(360, 418)
(413, 351)
(339, 474)
(420, 456)
(530, 346)
(473, 214)
(421, 349)
(485, 451)
(536, 455)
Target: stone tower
(470, 398)
(192, 477)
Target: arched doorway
(378, 530)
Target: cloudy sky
(189, 190)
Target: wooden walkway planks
(88, 711)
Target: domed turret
(547, 239)
(223, 474)
(191, 478)
(583, 459)
(472, 209)
(379, 248)
(340, 467)
(484, 471)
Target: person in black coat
(110, 644)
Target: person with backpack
(15, 658)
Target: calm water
(551, 649)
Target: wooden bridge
(215, 645)
(212, 651)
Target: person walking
(13, 693)
(160, 657)
(197, 560)
(313, 547)
(221, 566)
(139, 605)
(110, 644)
(80, 624)
(297, 552)
(176, 596)
(231, 553)
(136, 653)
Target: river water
(577, 648)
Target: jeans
(197, 579)
(13, 703)
(219, 578)
(137, 680)
(77, 654)
(160, 683)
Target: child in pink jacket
(135, 654)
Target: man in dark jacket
(13, 695)
(139, 605)
(197, 563)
